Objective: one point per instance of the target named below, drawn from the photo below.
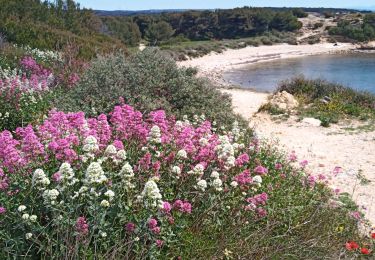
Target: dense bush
(330, 101)
(359, 31)
(148, 81)
(149, 187)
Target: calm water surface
(353, 70)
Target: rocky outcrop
(284, 101)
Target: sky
(212, 4)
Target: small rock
(311, 121)
(284, 101)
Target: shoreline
(214, 65)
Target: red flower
(365, 251)
(351, 245)
(373, 235)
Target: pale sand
(324, 148)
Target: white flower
(21, 208)
(154, 135)
(33, 218)
(234, 184)
(40, 178)
(50, 196)
(203, 141)
(95, 174)
(110, 150)
(28, 235)
(104, 203)
(181, 154)
(215, 175)
(110, 194)
(90, 144)
(257, 179)
(83, 189)
(217, 183)
(127, 171)
(230, 161)
(121, 154)
(198, 170)
(202, 185)
(103, 234)
(67, 173)
(176, 170)
(151, 192)
(25, 216)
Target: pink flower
(242, 159)
(243, 178)
(152, 223)
(2, 210)
(304, 163)
(56, 177)
(156, 230)
(186, 207)
(337, 170)
(167, 207)
(356, 215)
(261, 170)
(293, 156)
(278, 166)
(130, 227)
(81, 226)
(159, 243)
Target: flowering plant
(74, 185)
(24, 94)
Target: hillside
(47, 25)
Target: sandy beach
(214, 64)
(325, 148)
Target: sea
(355, 70)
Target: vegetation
(159, 32)
(51, 26)
(181, 49)
(356, 29)
(148, 81)
(124, 174)
(212, 25)
(329, 102)
(149, 187)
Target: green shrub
(149, 81)
(330, 101)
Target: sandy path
(324, 148)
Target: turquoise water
(355, 70)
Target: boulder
(311, 121)
(284, 101)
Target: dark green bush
(148, 81)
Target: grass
(185, 49)
(328, 102)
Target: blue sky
(206, 4)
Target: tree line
(202, 25)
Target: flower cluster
(149, 176)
